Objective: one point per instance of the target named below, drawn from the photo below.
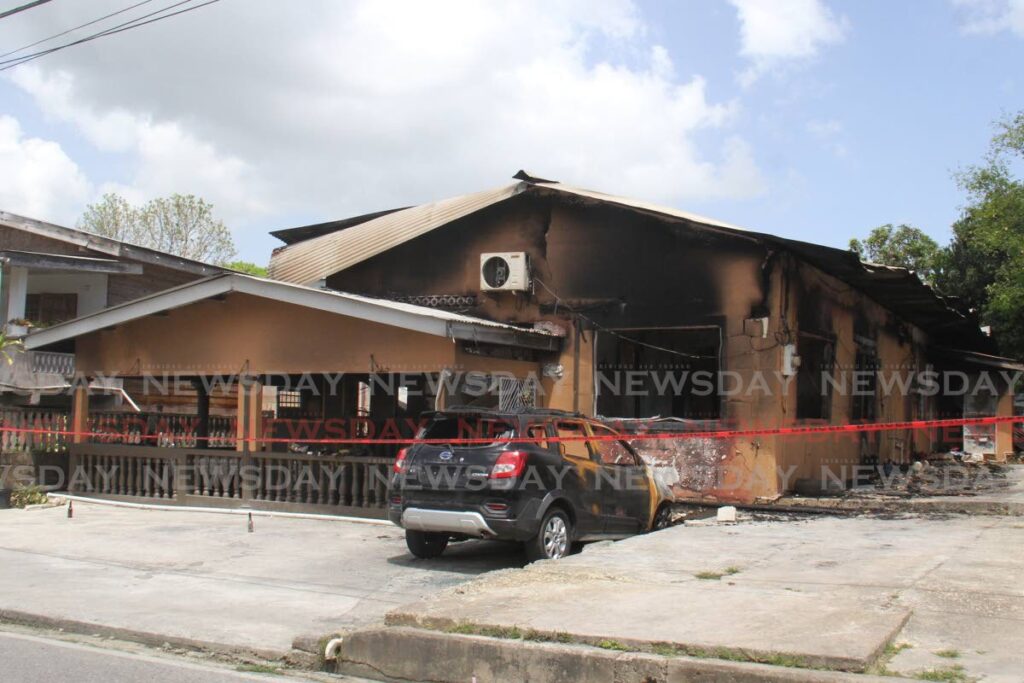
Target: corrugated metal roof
(898, 289)
(309, 261)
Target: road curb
(61, 498)
(159, 641)
(952, 506)
(399, 653)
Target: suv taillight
(400, 461)
(509, 464)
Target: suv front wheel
(424, 544)
(553, 540)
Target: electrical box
(790, 361)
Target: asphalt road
(26, 658)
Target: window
(611, 452)
(865, 383)
(664, 372)
(538, 435)
(289, 399)
(469, 427)
(814, 390)
(50, 309)
(576, 448)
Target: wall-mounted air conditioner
(505, 272)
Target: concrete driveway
(202, 576)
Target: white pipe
(333, 648)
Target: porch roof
(405, 316)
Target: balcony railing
(53, 363)
(36, 370)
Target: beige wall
(267, 336)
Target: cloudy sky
(812, 119)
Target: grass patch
(716, 576)
(259, 669)
(506, 632)
(613, 645)
(541, 637)
(893, 649)
(881, 667)
(952, 674)
(666, 650)
(948, 654)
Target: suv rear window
(469, 427)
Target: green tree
(8, 347)
(902, 245)
(984, 263)
(248, 268)
(183, 225)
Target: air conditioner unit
(505, 272)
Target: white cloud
(37, 178)
(774, 32)
(991, 16)
(166, 159)
(349, 107)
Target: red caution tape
(637, 434)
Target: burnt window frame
(864, 407)
(634, 336)
(827, 342)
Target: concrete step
(410, 654)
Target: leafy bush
(24, 496)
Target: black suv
(515, 481)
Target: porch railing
(53, 363)
(50, 424)
(343, 484)
(168, 430)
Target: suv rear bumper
(471, 520)
(451, 521)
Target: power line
(132, 23)
(28, 5)
(71, 30)
(126, 26)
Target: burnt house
(667, 314)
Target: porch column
(80, 413)
(202, 414)
(250, 414)
(17, 292)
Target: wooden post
(202, 414)
(250, 408)
(80, 412)
(255, 429)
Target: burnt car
(544, 478)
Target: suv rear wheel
(425, 544)
(554, 539)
